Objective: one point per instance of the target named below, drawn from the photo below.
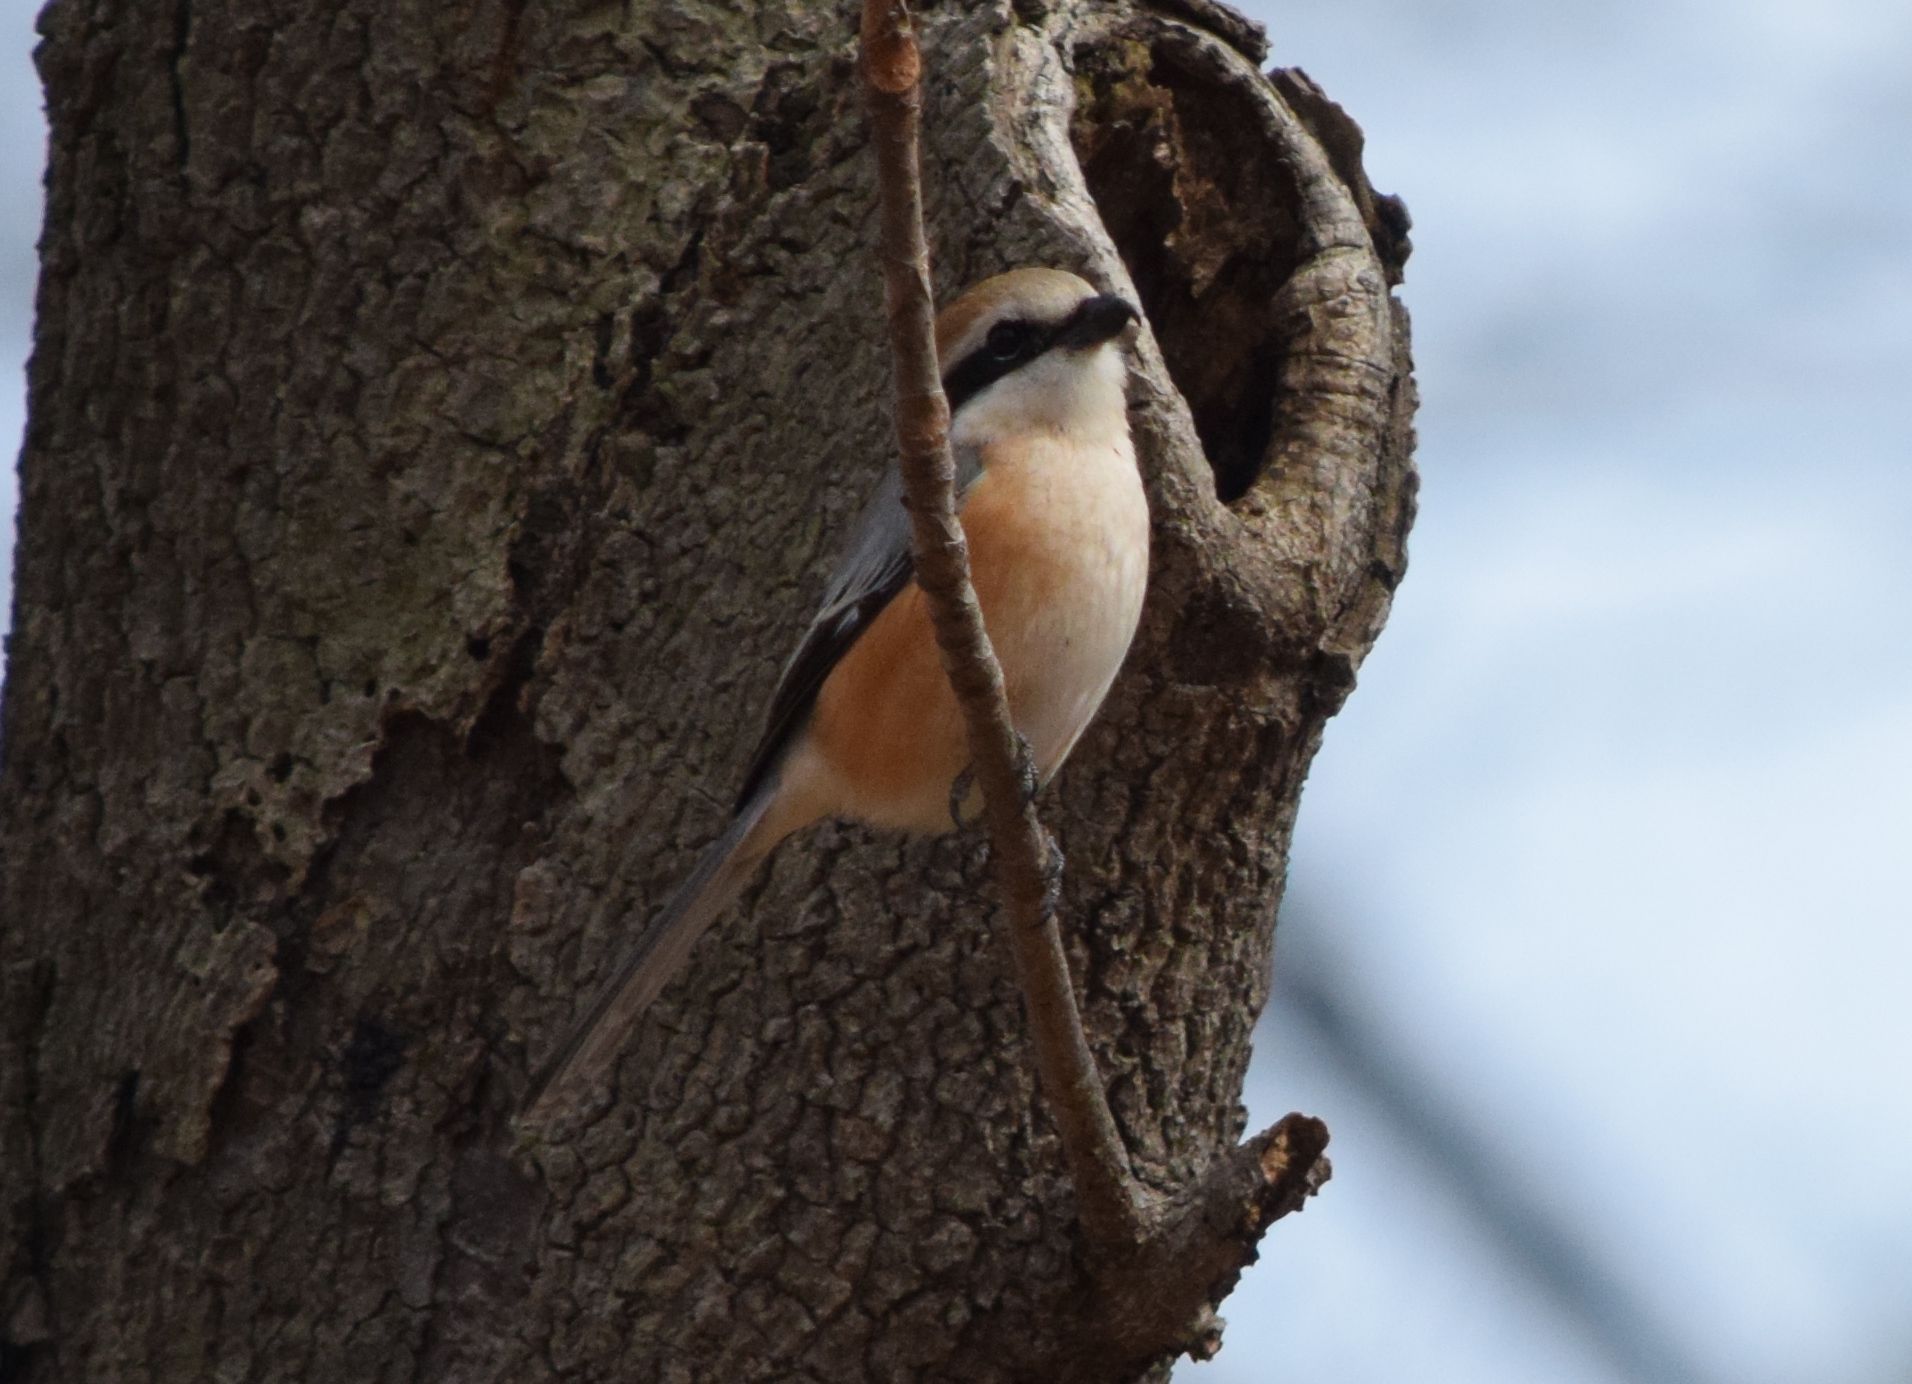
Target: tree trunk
(439, 418)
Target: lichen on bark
(437, 421)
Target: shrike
(863, 723)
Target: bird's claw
(1026, 770)
(1051, 877)
(1028, 780)
(959, 789)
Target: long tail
(659, 953)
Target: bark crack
(175, 63)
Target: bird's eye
(1007, 339)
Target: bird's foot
(959, 790)
(1026, 773)
(1051, 877)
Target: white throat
(1078, 394)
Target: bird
(863, 724)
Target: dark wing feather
(874, 566)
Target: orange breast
(1059, 583)
(886, 722)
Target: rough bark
(438, 420)
(1028, 865)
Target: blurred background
(1596, 957)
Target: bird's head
(1033, 349)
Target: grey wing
(875, 564)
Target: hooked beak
(1095, 321)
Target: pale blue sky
(1604, 868)
(22, 160)
(1607, 856)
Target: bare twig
(1156, 1269)
(1021, 850)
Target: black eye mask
(1014, 342)
(1009, 346)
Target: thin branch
(1025, 859)
(1156, 1270)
